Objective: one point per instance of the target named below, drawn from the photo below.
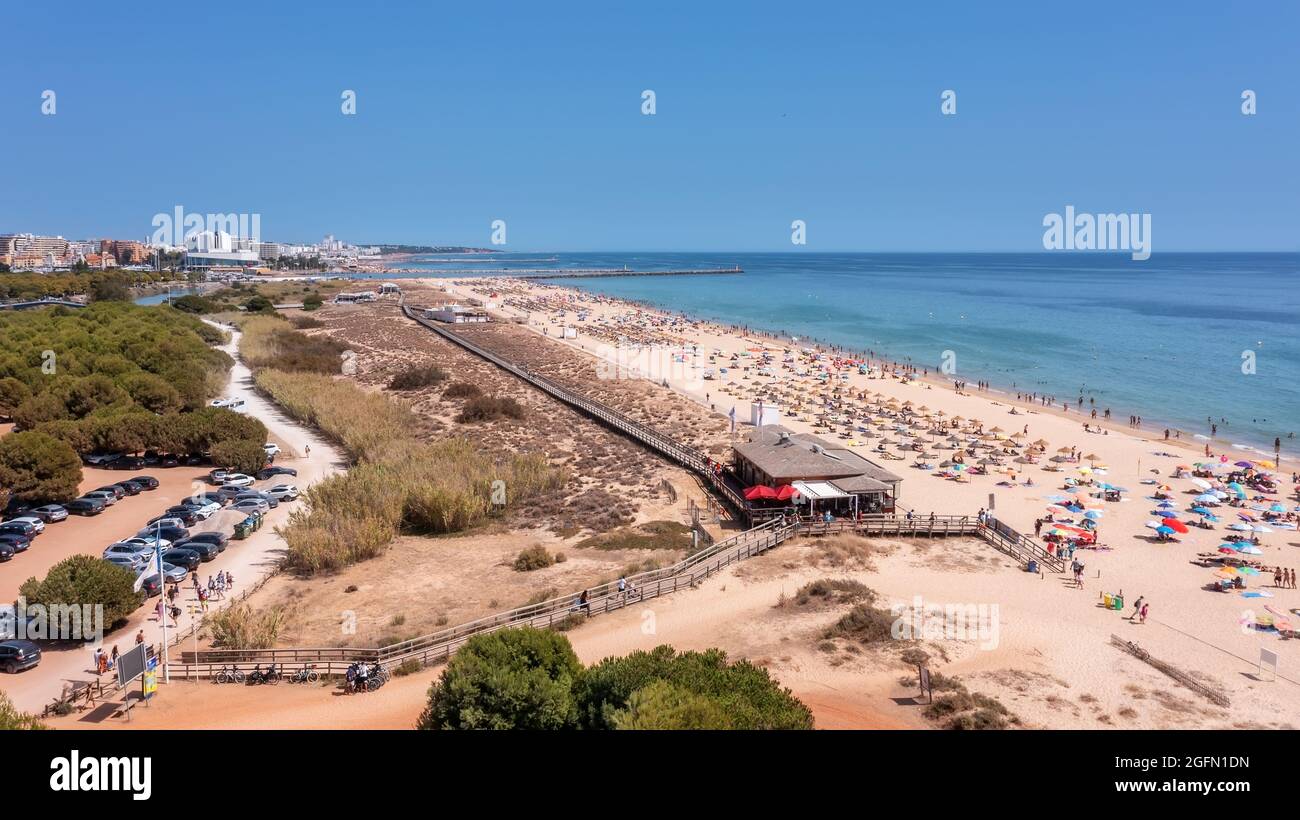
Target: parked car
(129, 549)
(151, 585)
(272, 449)
(18, 655)
(129, 562)
(100, 459)
(270, 472)
(36, 521)
(283, 492)
(7, 551)
(229, 493)
(214, 537)
(187, 516)
(109, 498)
(218, 476)
(206, 549)
(209, 498)
(17, 527)
(125, 463)
(251, 505)
(271, 503)
(148, 542)
(149, 481)
(118, 492)
(165, 533)
(129, 487)
(237, 480)
(164, 521)
(50, 513)
(20, 543)
(190, 559)
(85, 506)
(171, 572)
(204, 509)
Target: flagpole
(162, 599)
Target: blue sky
(766, 113)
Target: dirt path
(247, 560)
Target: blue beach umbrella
(1201, 510)
(1163, 530)
(1094, 514)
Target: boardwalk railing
(559, 612)
(665, 445)
(1005, 539)
(569, 610)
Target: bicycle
(307, 674)
(228, 674)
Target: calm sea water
(1163, 338)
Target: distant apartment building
(124, 251)
(272, 250)
(209, 249)
(26, 246)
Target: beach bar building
(824, 477)
(456, 314)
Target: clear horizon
(762, 116)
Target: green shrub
(417, 376)
(535, 557)
(746, 694)
(36, 467)
(85, 580)
(11, 719)
(240, 626)
(461, 390)
(240, 456)
(407, 667)
(509, 679)
(865, 624)
(490, 408)
(660, 705)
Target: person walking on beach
(1143, 618)
(97, 661)
(139, 637)
(230, 581)
(1137, 608)
(1277, 576)
(112, 659)
(306, 451)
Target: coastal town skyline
(424, 129)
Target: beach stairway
(1005, 539)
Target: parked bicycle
(228, 674)
(307, 674)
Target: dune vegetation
(398, 483)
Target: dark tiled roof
(787, 456)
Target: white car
(283, 492)
(147, 543)
(272, 449)
(130, 550)
(233, 404)
(37, 524)
(237, 480)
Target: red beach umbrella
(1175, 525)
(759, 491)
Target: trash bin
(1032, 566)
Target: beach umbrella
(1239, 527)
(1250, 550)
(1202, 483)
(1262, 528)
(1247, 570)
(1165, 530)
(759, 491)
(1278, 508)
(1176, 525)
(1201, 511)
(1094, 514)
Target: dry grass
(239, 626)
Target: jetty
(567, 273)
